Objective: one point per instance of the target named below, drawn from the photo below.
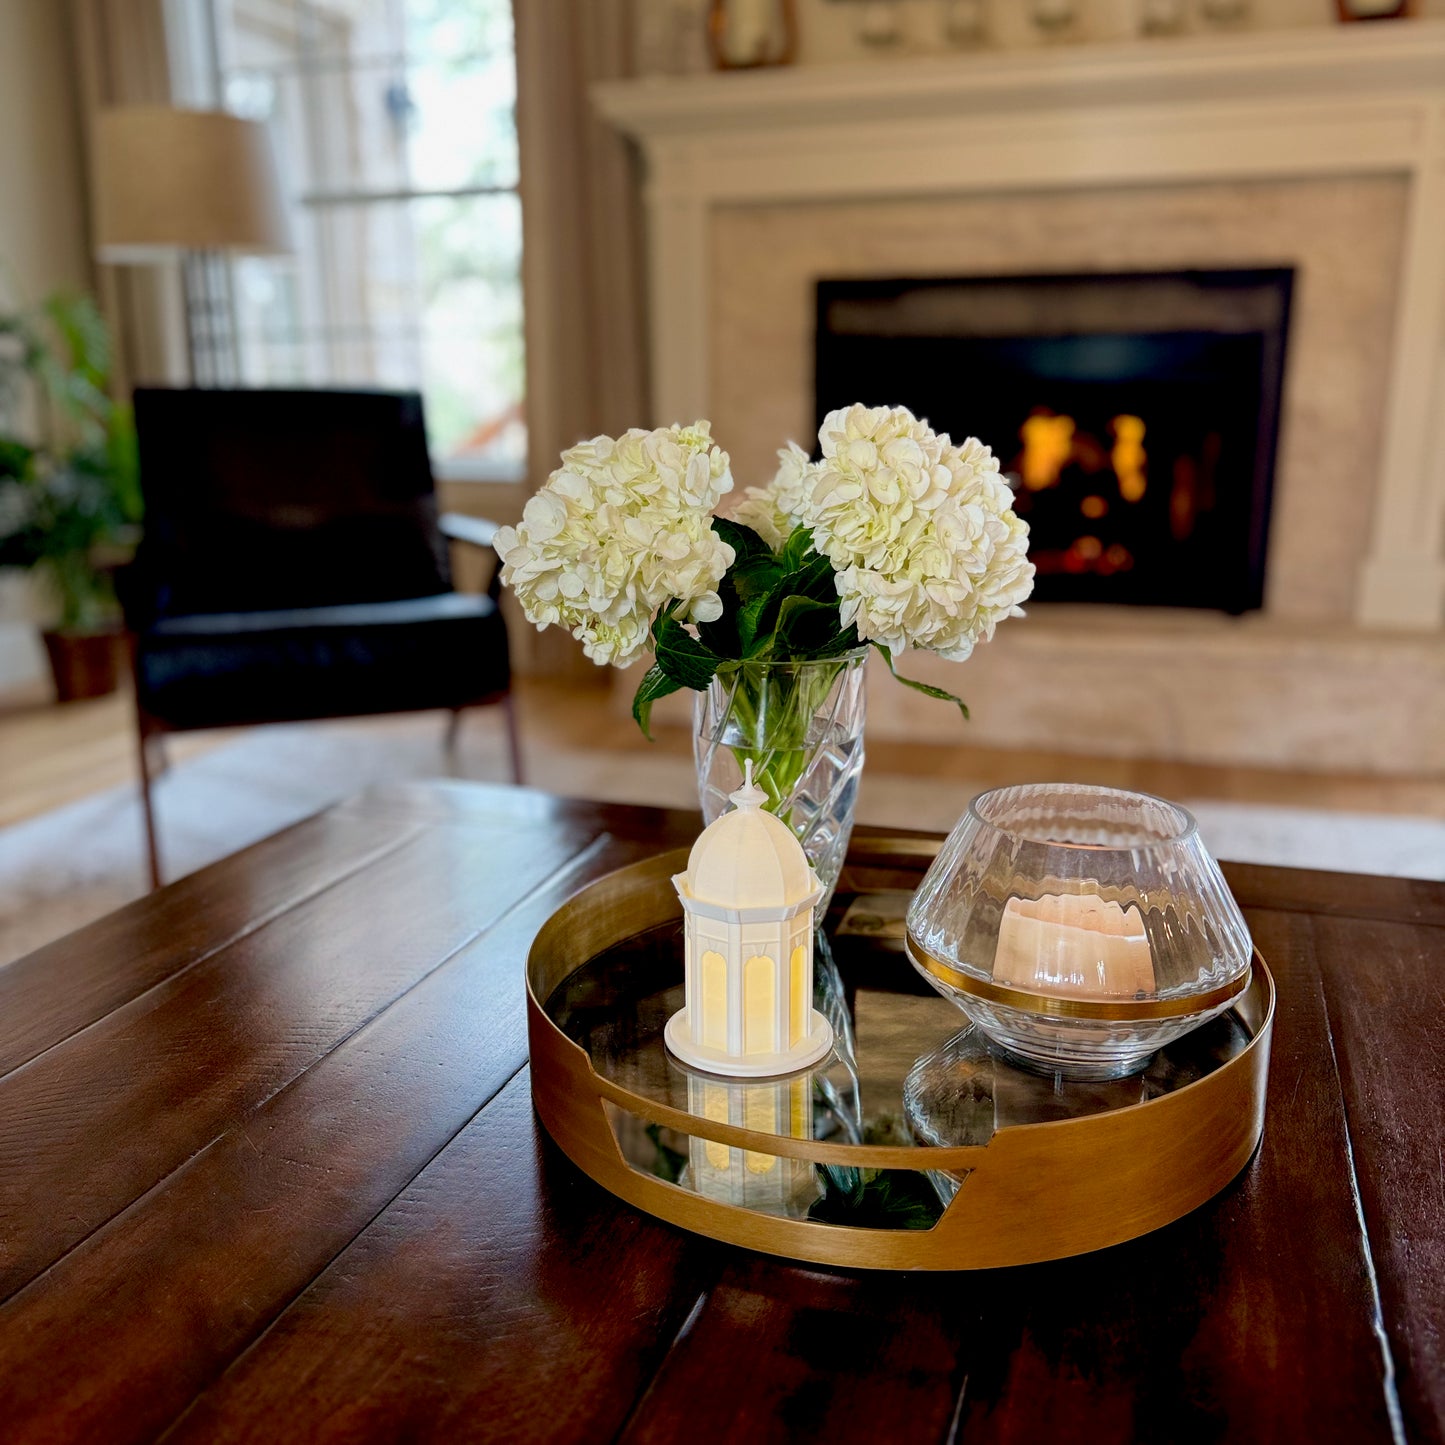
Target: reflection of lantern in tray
(748, 897)
(750, 1178)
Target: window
(394, 123)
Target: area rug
(69, 866)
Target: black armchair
(294, 566)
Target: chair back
(266, 500)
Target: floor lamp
(194, 184)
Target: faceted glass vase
(800, 724)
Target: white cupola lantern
(748, 896)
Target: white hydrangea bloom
(620, 527)
(927, 549)
(773, 511)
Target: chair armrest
(474, 531)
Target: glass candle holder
(1080, 928)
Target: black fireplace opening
(1136, 414)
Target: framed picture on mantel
(1374, 9)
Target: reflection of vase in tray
(748, 1178)
(801, 726)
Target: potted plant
(69, 484)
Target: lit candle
(1074, 945)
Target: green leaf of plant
(813, 582)
(721, 636)
(743, 540)
(797, 548)
(83, 330)
(926, 688)
(686, 660)
(750, 644)
(655, 684)
(807, 627)
(756, 576)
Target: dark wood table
(269, 1171)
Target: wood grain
(503, 1297)
(1338, 895)
(1384, 988)
(67, 985)
(325, 1154)
(158, 1079)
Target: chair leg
(514, 740)
(147, 807)
(454, 728)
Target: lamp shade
(169, 180)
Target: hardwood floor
(51, 755)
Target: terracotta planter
(85, 664)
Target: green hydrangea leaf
(745, 542)
(681, 656)
(655, 684)
(811, 583)
(755, 577)
(927, 689)
(809, 628)
(797, 549)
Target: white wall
(42, 224)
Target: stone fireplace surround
(1322, 150)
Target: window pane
(369, 100)
(471, 253)
(414, 96)
(420, 293)
(387, 128)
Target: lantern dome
(750, 859)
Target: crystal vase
(801, 726)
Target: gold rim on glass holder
(1122, 1010)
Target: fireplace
(1136, 414)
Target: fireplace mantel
(1323, 62)
(1352, 100)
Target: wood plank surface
(66, 985)
(158, 1079)
(503, 1297)
(1384, 987)
(1341, 895)
(325, 1155)
(280, 1179)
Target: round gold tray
(911, 1146)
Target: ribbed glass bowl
(1080, 928)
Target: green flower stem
(773, 705)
